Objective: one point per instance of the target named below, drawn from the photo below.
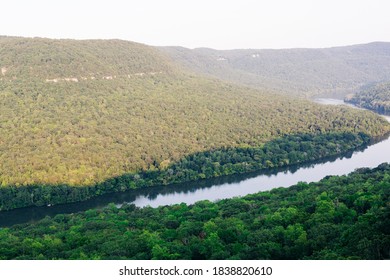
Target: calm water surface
(219, 188)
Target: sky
(217, 24)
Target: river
(219, 188)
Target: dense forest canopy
(326, 72)
(79, 112)
(373, 97)
(345, 217)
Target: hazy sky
(203, 23)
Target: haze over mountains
(326, 72)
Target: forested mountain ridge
(81, 112)
(373, 97)
(48, 60)
(325, 72)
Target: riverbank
(347, 102)
(216, 188)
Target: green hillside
(326, 72)
(373, 97)
(81, 112)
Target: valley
(68, 141)
(94, 131)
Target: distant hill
(374, 97)
(326, 72)
(80, 112)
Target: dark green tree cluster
(288, 150)
(374, 97)
(340, 217)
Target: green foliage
(375, 97)
(340, 217)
